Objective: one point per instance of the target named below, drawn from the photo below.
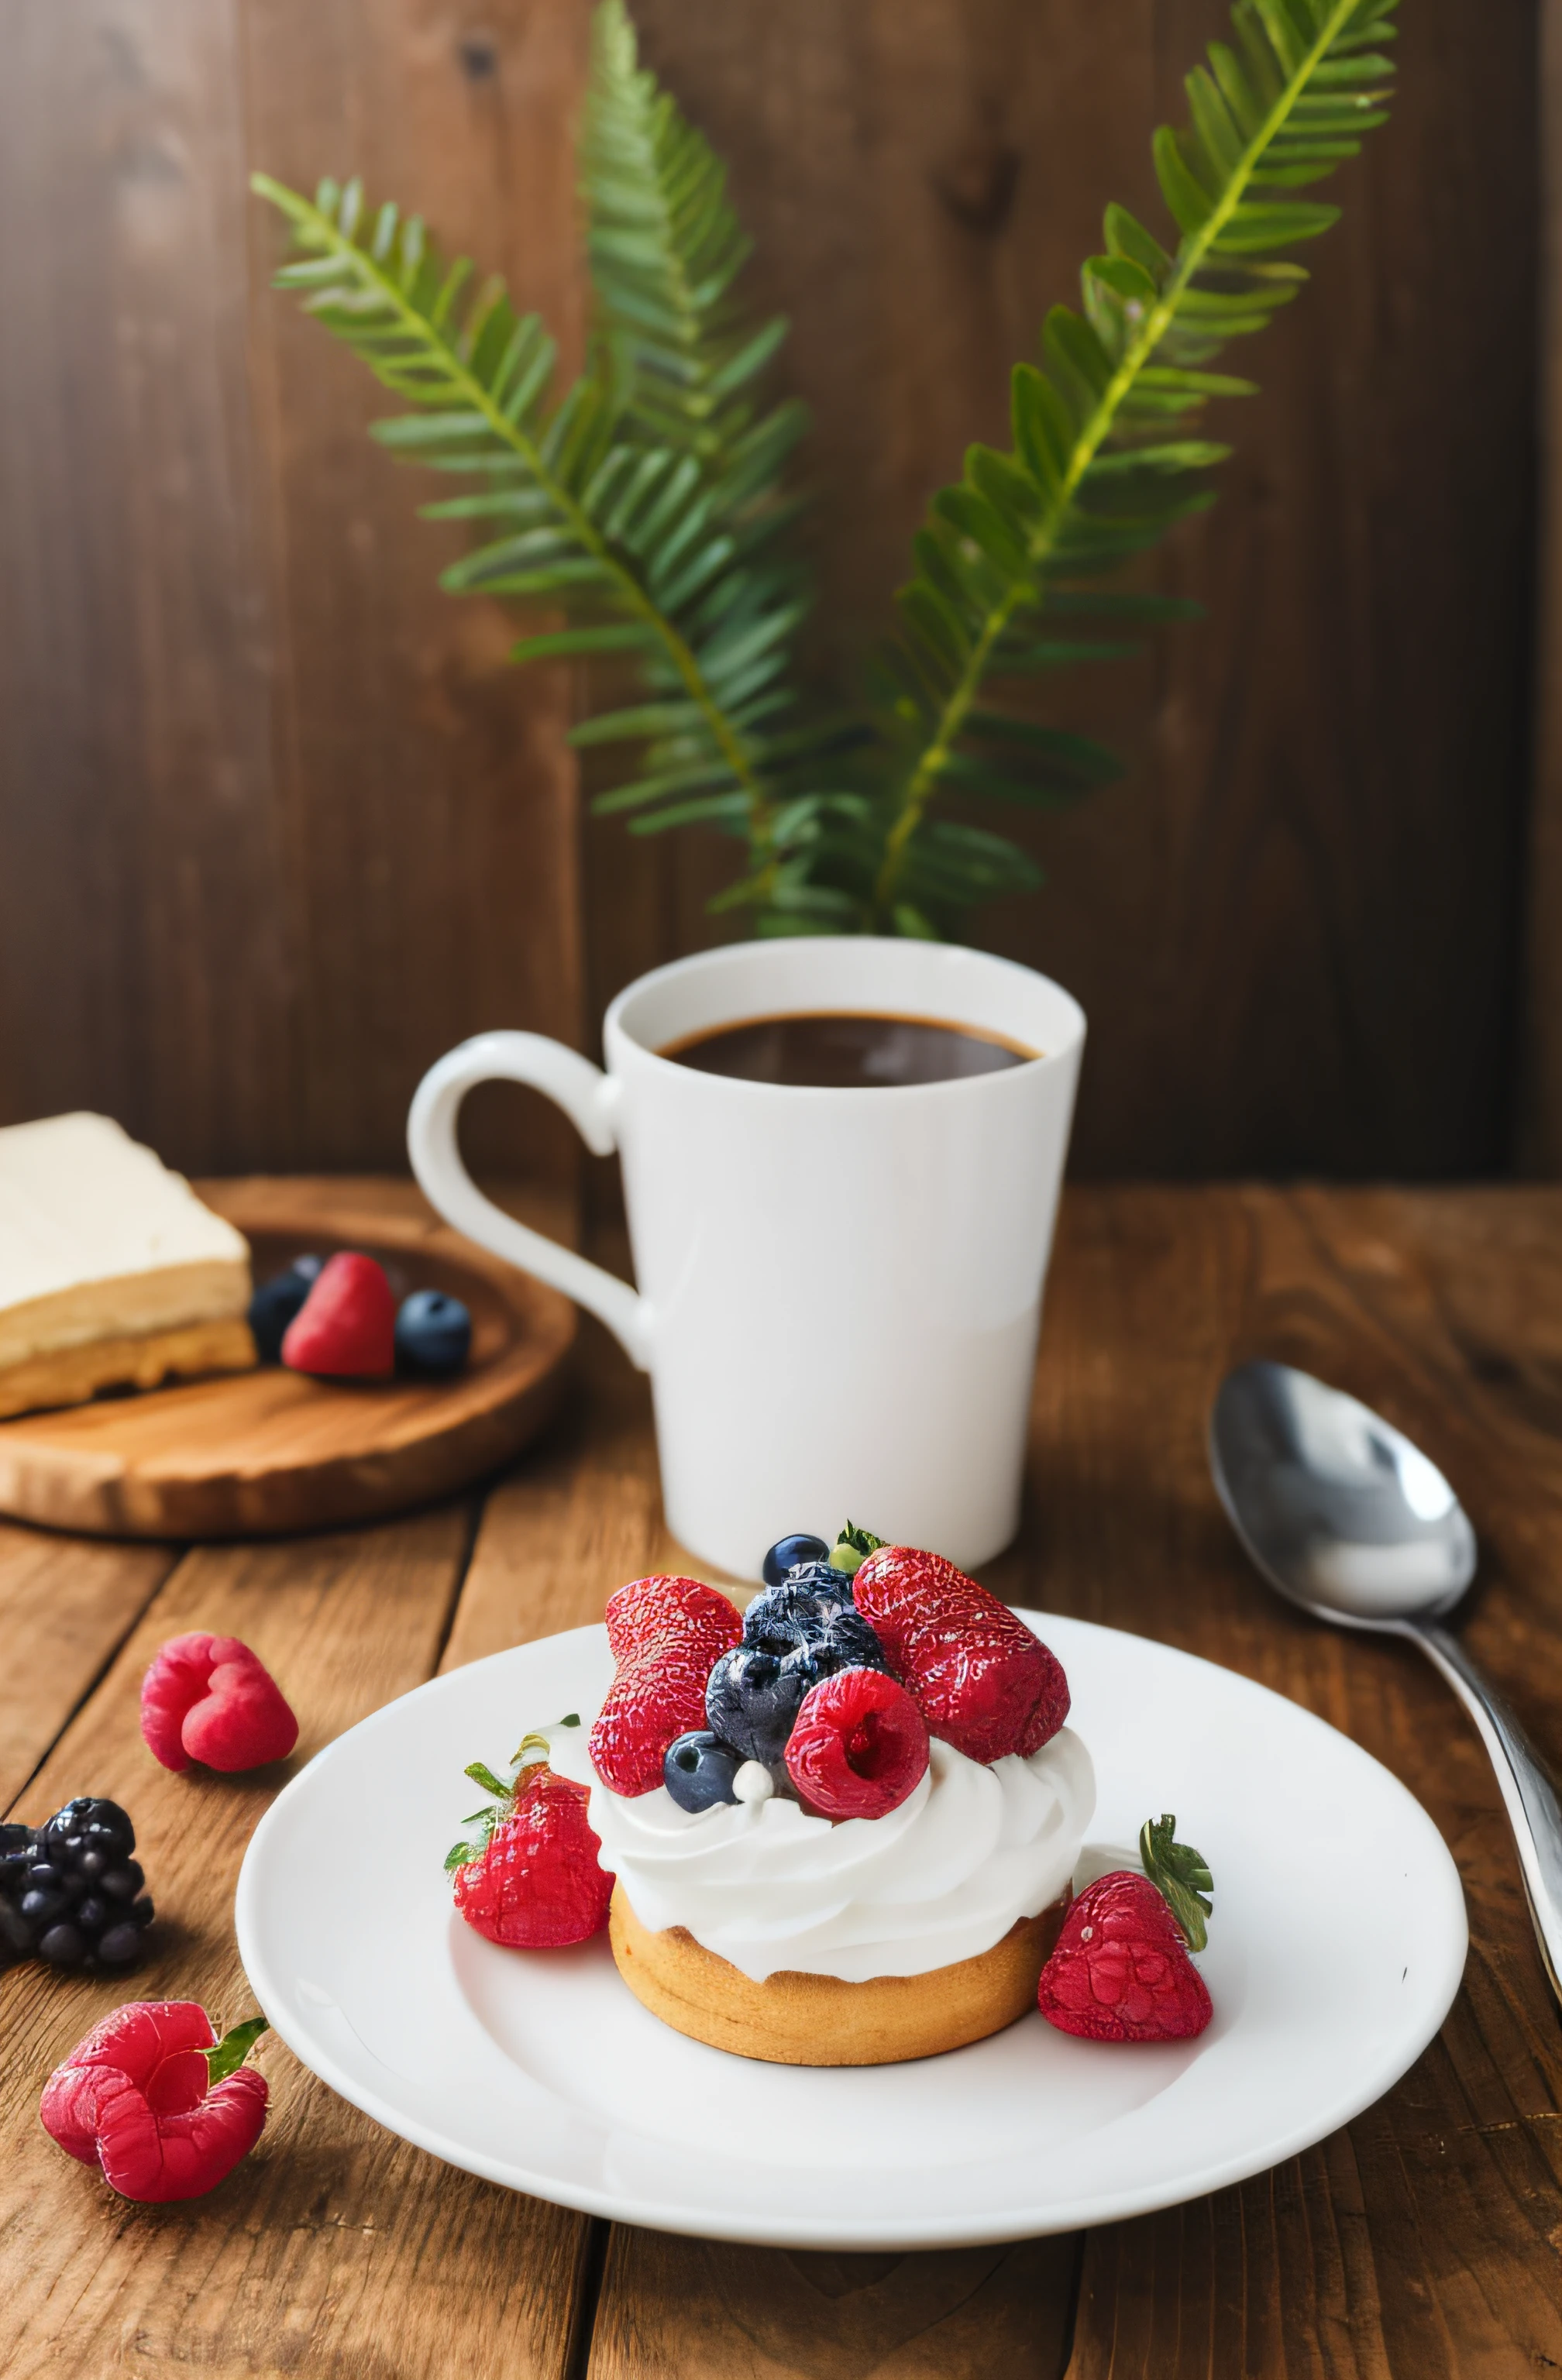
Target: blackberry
(71, 1893)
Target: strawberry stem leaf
(852, 1547)
(1180, 1874)
(480, 1774)
(234, 2049)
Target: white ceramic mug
(839, 1291)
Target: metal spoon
(1349, 1520)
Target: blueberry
(63, 1947)
(277, 1301)
(433, 1333)
(786, 1552)
(814, 1622)
(120, 1944)
(699, 1770)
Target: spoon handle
(1532, 1808)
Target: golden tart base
(802, 2020)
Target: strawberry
(858, 1745)
(153, 2099)
(346, 1327)
(209, 1698)
(1120, 1971)
(532, 1880)
(666, 1635)
(982, 1681)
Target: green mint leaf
(1180, 1874)
(234, 2049)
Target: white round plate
(1335, 1949)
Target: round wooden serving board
(267, 1452)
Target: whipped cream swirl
(943, 1877)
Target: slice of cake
(112, 1272)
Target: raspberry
(858, 1745)
(536, 1884)
(136, 2099)
(667, 1633)
(1121, 1970)
(980, 1678)
(209, 1698)
(346, 1327)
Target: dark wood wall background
(276, 823)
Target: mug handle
(588, 1097)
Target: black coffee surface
(845, 1051)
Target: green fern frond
(628, 537)
(1105, 457)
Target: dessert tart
(840, 1830)
(864, 1853)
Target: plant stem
(1195, 247)
(724, 735)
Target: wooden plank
(334, 2250)
(64, 1610)
(280, 822)
(1541, 1112)
(1417, 2242)
(140, 898)
(698, 2310)
(1294, 922)
(427, 793)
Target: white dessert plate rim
(448, 2042)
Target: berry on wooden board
(276, 1301)
(153, 2101)
(531, 1880)
(665, 1633)
(858, 1747)
(1120, 1970)
(209, 1698)
(71, 1893)
(434, 1334)
(982, 1681)
(346, 1328)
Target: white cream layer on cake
(943, 1877)
(99, 1240)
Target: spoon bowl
(1340, 1511)
(1348, 1518)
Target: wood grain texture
(1421, 2240)
(334, 2249)
(277, 822)
(266, 1451)
(1541, 1141)
(63, 1612)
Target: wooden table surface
(1426, 2240)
